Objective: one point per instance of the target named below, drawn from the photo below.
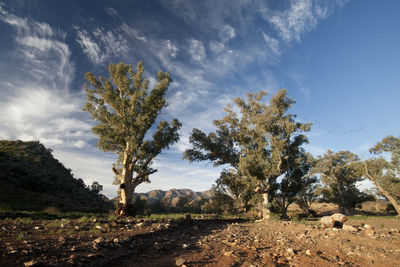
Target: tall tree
(259, 143)
(339, 172)
(386, 174)
(126, 110)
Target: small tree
(339, 172)
(239, 187)
(385, 174)
(307, 194)
(96, 188)
(294, 181)
(126, 111)
(258, 144)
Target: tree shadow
(163, 247)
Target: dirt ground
(373, 241)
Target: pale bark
(265, 209)
(384, 192)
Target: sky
(339, 59)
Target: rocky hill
(172, 196)
(32, 179)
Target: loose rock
(180, 262)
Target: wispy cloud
(197, 50)
(102, 45)
(301, 17)
(37, 103)
(272, 43)
(227, 33)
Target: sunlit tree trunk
(125, 206)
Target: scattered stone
(77, 228)
(349, 228)
(369, 232)
(99, 240)
(62, 225)
(180, 262)
(30, 263)
(116, 240)
(98, 227)
(185, 246)
(73, 248)
(367, 226)
(291, 251)
(61, 239)
(308, 252)
(227, 253)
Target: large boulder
(326, 221)
(335, 220)
(338, 217)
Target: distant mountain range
(172, 196)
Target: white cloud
(272, 43)
(197, 50)
(171, 48)
(90, 48)
(102, 45)
(90, 167)
(112, 12)
(292, 23)
(130, 31)
(216, 47)
(301, 17)
(227, 33)
(34, 113)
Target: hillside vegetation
(32, 179)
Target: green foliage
(259, 144)
(125, 111)
(386, 174)
(96, 188)
(339, 171)
(32, 179)
(295, 183)
(20, 236)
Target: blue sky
(339, 59)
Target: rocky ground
(369, 241)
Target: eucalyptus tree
(259, 143)
(126, 110)
(339, 172)
(296, 183)
(386, 174)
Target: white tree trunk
(265, 211)
(126, 196)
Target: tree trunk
(384, 192)
(341, 201)
(284, 212)
(390, 198)
(125, 206)
(265, 208)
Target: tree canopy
(126, 111)
(383, 173)
(258, 143)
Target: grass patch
(367, 217)
(165, 217)
(20, 236)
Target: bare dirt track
(199, 243)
